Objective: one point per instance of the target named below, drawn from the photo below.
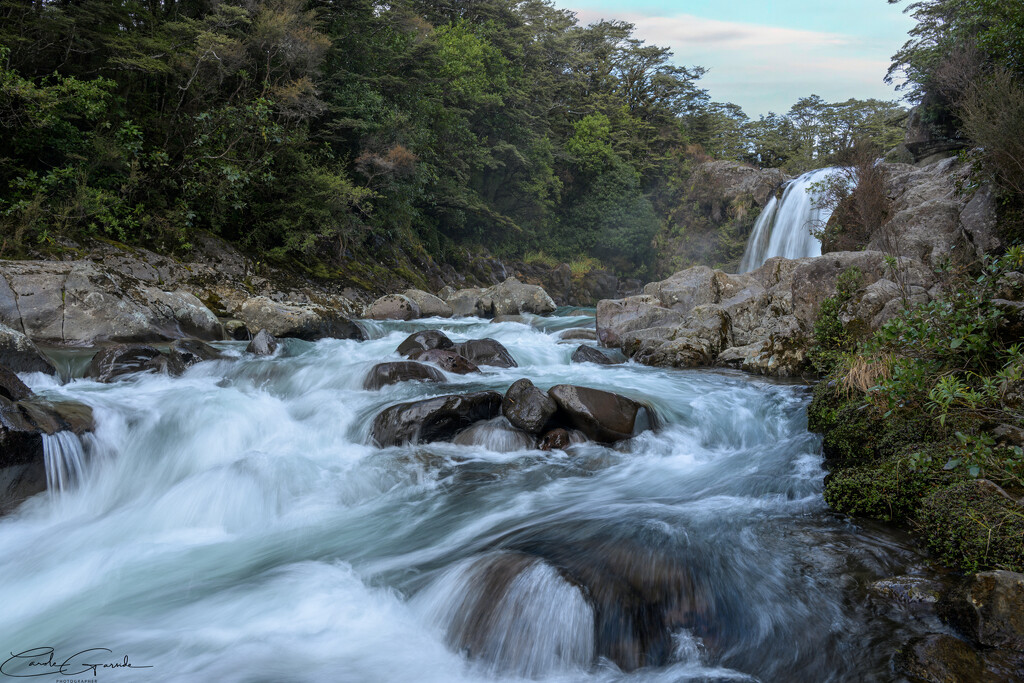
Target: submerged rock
(434, 419)
(113, 362)
(486, 352)
(424, 341)
(527, 407)
(392, 373)
(938, 658)
(446, 359)
(560, 439)
(263, 344)
(496, 435)
(601, 415)
(588, 354)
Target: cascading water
(64, 459)
(784, 227)
(236, 525)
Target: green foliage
(832, 339)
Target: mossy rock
(891, 490)
(974, 525)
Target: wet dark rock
(424, 341)
(11, 387)
(446, 360)
(939, 658)
(184, 353)
(486, 352)
(113, 362)
(434, 419)
(18, 353)
(559, 439)
(263, 344)
(392, 373)
(588, 354)
(20, 439)
(601, 415)
(527, 407)
(21, 481)
(579, 333)
(988, 608)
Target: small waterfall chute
(784, 226)
(513, 614)
(64, 458)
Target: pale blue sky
(765, 54)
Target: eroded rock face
(527, 407)
(393, 307)
(435, 419)
(601, 415)
(404, 371)
(445, 359)
(430, 306)
(988, 608)
(263, 344)
(486, 352)
(307, 322)
(424, 341)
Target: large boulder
(616, 318)
(430, 306)
(601, 415)
(307, 322)
(486, 352)
(392, 307)
(18, 353)
(184, 353)
(511, 297)
(445, 359)
(988, 608)
(527, 407)
(11, 386)
(424, 341)
(80, 302)
(697, 342)
(434, 419)
(404, 371)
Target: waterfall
(784, 227)
(64, 459)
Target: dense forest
(320, 132)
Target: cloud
(762, 67)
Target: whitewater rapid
(235, 524)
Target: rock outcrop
(80, 302)
(760, 321)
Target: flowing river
(235, 524)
